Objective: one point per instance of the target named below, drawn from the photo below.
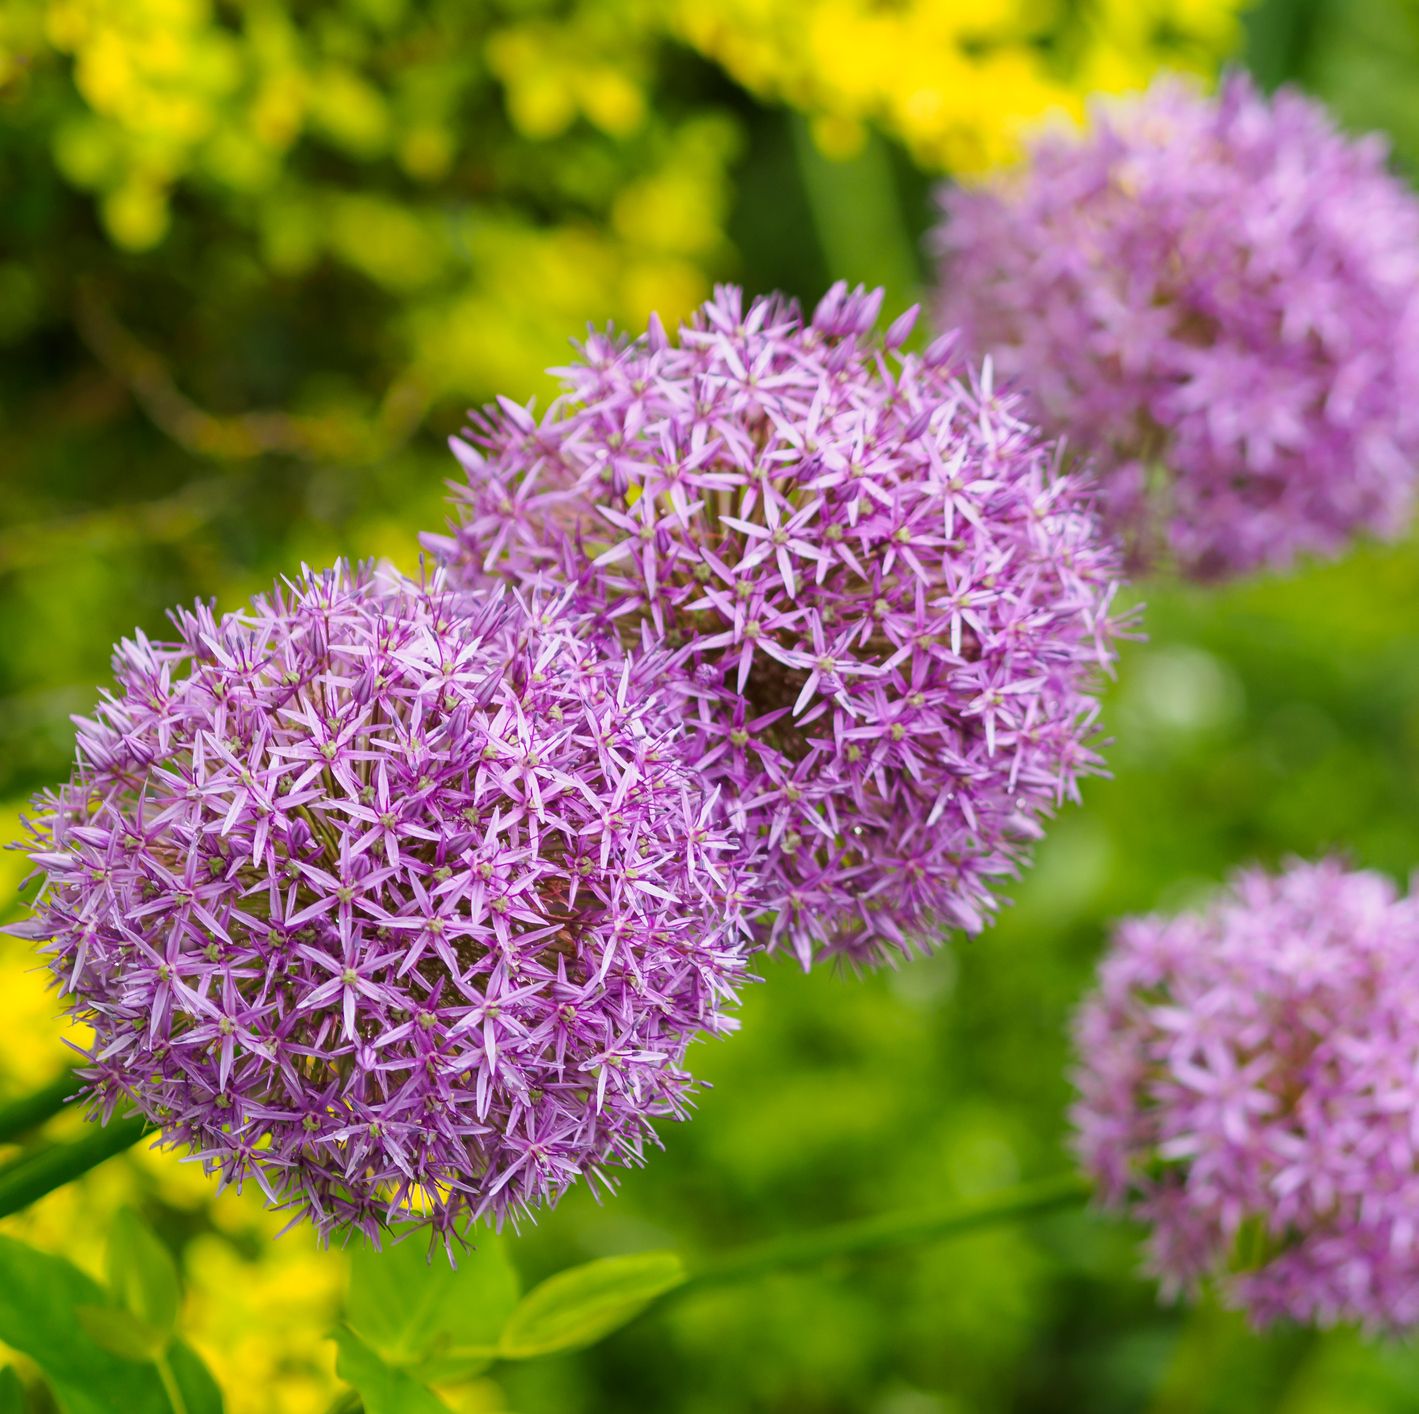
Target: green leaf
(457, 1365)
(143, 1275)
(12, 1392)
(579, 1306)
(384, 1389)
(39, 1300)
(120, 1332)
(201, 1394)
(123, 1334)
(427, 1316)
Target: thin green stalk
(31, 1176)
(890, 1230)
(857, 215)
(21, 1116)
(170, 1385)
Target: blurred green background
(255, 259)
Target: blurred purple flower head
(1249, 1081)
(397, 904)
(885, 604)
(1218, 300)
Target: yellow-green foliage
(466, 155)
(500, 175)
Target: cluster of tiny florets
(398, 904)
(1249, 1079)
(1218, 300)
(886, 605)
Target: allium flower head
(397, 904)
(1249, 1080)
(1218, 300)
(885, 602)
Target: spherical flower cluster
(1217, 299)
(1249, 1082)
(399, 904)
(886, 604)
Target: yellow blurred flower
(136, 214)
(260, 1312)
(957, 83)
(32, 1052)
(579, 66)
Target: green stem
(21, 1116)
(31, 1176)
(170, 1385)
(890, 1230)
(857, 215)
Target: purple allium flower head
(886, 605)
(1249, 1081)
(397, 902)
(1218, 300)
